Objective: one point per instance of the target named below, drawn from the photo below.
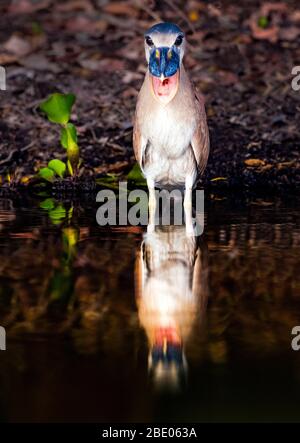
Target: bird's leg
(152, 205)
(188, 192)
(187, 203)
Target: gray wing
(200, 140)
(200, 278)
(137, 141)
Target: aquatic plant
(58, 109)
(61, 285)
(136, 176)
(111, 180)
(56, 211)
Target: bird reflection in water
(171, 294)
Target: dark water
(112, 325)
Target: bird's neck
(184, 88)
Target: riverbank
(244, 72)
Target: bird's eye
(178, 40)
(149, 41)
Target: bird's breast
(168, 132)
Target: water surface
(110, 324)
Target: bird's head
(164, 47)
(167, 364)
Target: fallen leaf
(242, 39)
(120, 8)
(197, 36)
(214, 11)
(254, 162)
(266, 26)
(75, 5)
(40, 63)
(129, 92)
(7, 59)
(130, 76)
(216, 179)
(17, 46)
(106, 64)
(190, 61)
(295, 17)
(132, 51)
(205, 77)
(290, 33)
(283, 165)
(271, 34)
(265, 168)
(85, 24)
(268, 7)
(116, 167)
(227, 78)
(27, 6)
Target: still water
(114, 324)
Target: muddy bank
(241, 64)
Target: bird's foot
(152, 208)
(189, 221)
(187, 202)
(150, 228)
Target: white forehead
(163, 39)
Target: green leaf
(57, 214)
(43, 193)
(70, 213)
(110, 177)
(136, 176)
(47, 174)
(73, 157)
(70, 237)
(47, 204)
(105, 184)
(61, 286)
(57, 166)
(69, 141)
(68, 136)
(58, 107)
(263, 22)
(70, 168)
(109, 180)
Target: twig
(116, 147)
(119, 23)
(139, 4)
(10, 155)
(181, 14)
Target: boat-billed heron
(171, 287)
(170, 137)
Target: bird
(170, 132)
(171, 291)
